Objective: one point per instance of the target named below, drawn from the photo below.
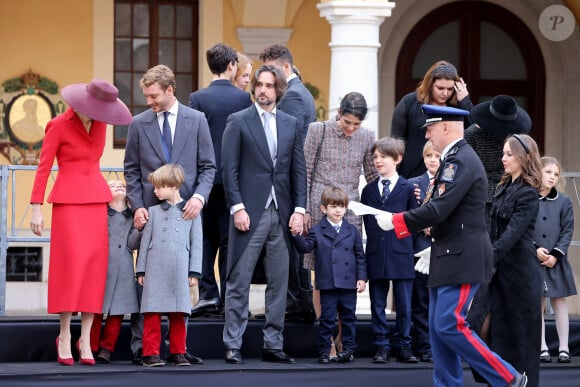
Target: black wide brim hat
(501, 117)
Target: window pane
(500, 57)
(123, 83)
(183, 56)
(138, 98)
(184, 22)
(122, 19)
(443, 44)
(141, 20)
(167, 52)
(183, 87)
(122, 54)
(166, 21)
(140, 55)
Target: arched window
(493, 50)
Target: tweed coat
(407, 124)
(387, 256)
(553, 231)
(516, 287)
(120, 292)
(249, 173)
(339, 165)
(341, 259)
(170, 252)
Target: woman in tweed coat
(120, 292)
(169, 261)
(335, 151)
(552, 236)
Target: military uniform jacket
(461, 251)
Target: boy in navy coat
(422, 245)
(388, 258)
(340, 271)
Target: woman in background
(244, 72)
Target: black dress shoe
(203, 306)
(345, 356)
(192, 359)
(382, 356)
(324, 358)
(277, 356)
(234, 356)
(426, 357)
(406, 356)
(138, 357)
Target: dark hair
(439, 70)
(277, 52)
(219, 57)
(388, 146)
(525, 149)
(354, 103)
(281, 85)
(334, 195)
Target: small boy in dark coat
(340, 271)
(389, 259)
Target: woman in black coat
(516, 287)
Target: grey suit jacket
(249, 173)
(192, 149)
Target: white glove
(422, 265)
(385, 221)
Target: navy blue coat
(298, 102)
(340, 259)
(387, 256)
(217, 102)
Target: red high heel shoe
(69, 361)
(82, 360)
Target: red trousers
(110, 335)
(152, 333)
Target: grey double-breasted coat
(170, 252)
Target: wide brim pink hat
(98, 100)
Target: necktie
(270, 136)
(167, 143)
(386, 190)
(337, 228)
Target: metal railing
(10, 232)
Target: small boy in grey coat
(169, 261)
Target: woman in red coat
(78, 244)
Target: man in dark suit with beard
(298, 102)
(264, 177)
(217, 102)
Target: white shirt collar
(262, 111)
(291, 77)
(172, 111)
(339, 224)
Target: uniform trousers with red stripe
(453, 340)
(152, 333)
(110, 333)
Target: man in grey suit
(217, 102)
(298, 102)
(167, 132)
(264, 178)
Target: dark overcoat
(387, 256)
(340, 259)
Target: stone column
(354, 46)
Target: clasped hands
(545, 258)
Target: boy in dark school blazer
(389, 259)
(340, 271)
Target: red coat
(79, 240)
